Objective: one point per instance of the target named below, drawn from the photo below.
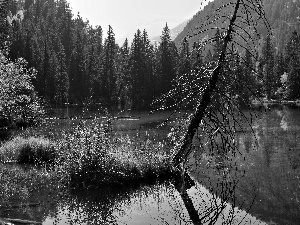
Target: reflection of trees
(34, 194)
(271, 175)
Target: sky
(126, 16)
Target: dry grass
(28, 150)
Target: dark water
(258, 185)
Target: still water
(258, 185)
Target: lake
(260, 184)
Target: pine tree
(196, 58)
(109, 70)
(217, 45)
(148, 70)
(77, 70)
(293, 60)
(61, 79)
(4, 25)
(136, 71)
(184, 62)
(279, 69)
(267, 61)
(124, 87)
(95, 63)
(64, 17)
(51, 77)
(209, 57)
(167, 61)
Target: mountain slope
(173, 32)
(283, 17)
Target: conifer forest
(197, 125)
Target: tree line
(75, 63)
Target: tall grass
(93, 154)
(30, 150)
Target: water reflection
(260, 183)
(267, 168)
(164, 203)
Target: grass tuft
(31, 150)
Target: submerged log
(19, 221)
(5, 222)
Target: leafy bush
(19, 103)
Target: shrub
(20, 106)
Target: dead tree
(241, 33)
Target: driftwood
(21, 206)
(25, 205)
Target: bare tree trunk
(200, 112)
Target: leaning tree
(214, 91)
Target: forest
(78, 64)
(92, 168)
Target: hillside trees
(48, 37)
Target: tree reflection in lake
(266, 168)
(262, 179)
(165, 203)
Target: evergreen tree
(64, 18)
(167, 61)
(4, 24)
(50, 77)
(77, 70)
(196, 58)
(124, 86)
(184, 62)
(17, 39)
(279, 69)
(148, 70)
(61, 79)
(245, 79)
(267, 61)
(136, 71)
(109, 70)
(209, 57)
(293, 60)
(95, 62)
(217, 45)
